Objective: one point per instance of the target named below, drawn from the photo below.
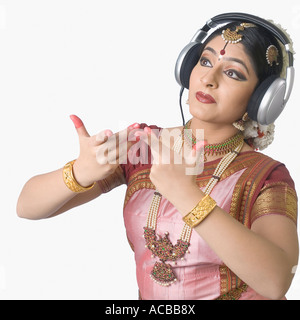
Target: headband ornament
(272, 55)
(234, 37)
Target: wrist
(79, 174)
(71, 181)
(188, 199)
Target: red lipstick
(204, 98)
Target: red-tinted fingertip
(77, 121)
(134, 126)
(108, 133)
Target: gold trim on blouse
(276, 198)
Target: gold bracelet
(71, 182)
(200, 212)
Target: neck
(213, 133)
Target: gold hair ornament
(234, 37)
(272, 55)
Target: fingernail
(147, 130)
(108, 133)
(134, 126)
(77, 122)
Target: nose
(210, 78)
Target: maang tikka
(234, 37)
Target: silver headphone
(270, 97)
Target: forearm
(260, 263)
(43, 195)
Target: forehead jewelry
(234, 37)
(272, 55)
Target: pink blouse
(201, 274)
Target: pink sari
(241, 192)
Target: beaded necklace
(217, 149)
(162, 272)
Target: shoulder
(278, 173)
(275, 171)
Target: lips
(204, 98)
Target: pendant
(163, 248)
(163, 274)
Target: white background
(112, 64)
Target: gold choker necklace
(217, 149)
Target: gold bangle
(71, 182)
(200, 212)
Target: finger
(103, 136)
(195, 159)
(111, 143)
(152, 141)
(81, 130)
(134, 126)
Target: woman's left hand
(173, 174)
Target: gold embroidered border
(257, 166)
(276, 198)
(234, 294)
(228, 280)
(139, 180)
(247, 186)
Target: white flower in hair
(260, 136)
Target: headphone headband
(235, 16)
(227, 18)
(270, 98)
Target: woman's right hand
(101, 154)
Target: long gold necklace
(217, 149)
(161, 247)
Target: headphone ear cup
(267, 101)
(186, 62)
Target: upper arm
(281, 231)
(274, 216)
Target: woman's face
(221, 88)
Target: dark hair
(256, 40)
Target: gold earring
(240, 124)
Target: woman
(234, 223)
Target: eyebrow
(213, 51)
